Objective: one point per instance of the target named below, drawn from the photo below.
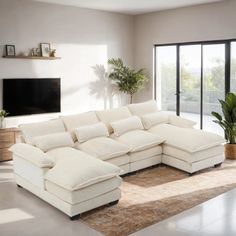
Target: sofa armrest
(181, 122)
(32, 154)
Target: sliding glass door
(191, 77)
(166, 84)
(213, 83)
(190, 82)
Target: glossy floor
(23, 214)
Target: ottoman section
(189, 149)
(83, 194)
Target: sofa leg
(19, 186)
(218, 165)
(113, 203)
(76, 217)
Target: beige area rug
(155, 194)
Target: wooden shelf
(32, 58)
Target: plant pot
(230, 151)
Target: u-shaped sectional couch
(74, 162)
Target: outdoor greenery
(213, 84)
(228, 121)
(128, 80)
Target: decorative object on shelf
(3, 114)
(45, 49)
(35, 52)
(228, 124)
(53, 53)
(10, 50)
(128, 80)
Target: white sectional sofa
(74, 162)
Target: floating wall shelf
(32, 57)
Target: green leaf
(217, 115)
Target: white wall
(204, 22)
(82, 37)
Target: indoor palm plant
(228, 123)
(3, 114)
(128, 80)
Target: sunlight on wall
(82, 88)
(13, 215)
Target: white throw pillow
(143, 108)
(51, 141)
(32, 130)
(74, 121)
(156, 118)
(108, 116)
(123, 126)
(181, 122)
(85, 133)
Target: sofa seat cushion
(120, 160)
(139, 140)
(193, 157)
(187, 139)
(141, 155)
(83, 194)
(79, 170)
(103, 148)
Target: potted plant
(3, 114)
(228, 123)
(128, 80)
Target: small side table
(8, 137)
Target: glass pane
(166, 77)
(190, 82)
(213, 84)
(233, 68)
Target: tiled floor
(23, 214)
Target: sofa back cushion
(51, 141)
(108, 116)
(152, 119)
(85, 133)
(32, 130)
(75, 121)
(123, 126)
(143, 108)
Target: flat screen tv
(31, 96)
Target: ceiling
(132, 7)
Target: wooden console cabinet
(8, 137)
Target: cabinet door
(6, 139)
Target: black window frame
(227, 43)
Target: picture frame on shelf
(45, 49)
(10, 50)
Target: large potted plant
(3, 114)
(228, 123)
(128, 80)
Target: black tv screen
(31, 96)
